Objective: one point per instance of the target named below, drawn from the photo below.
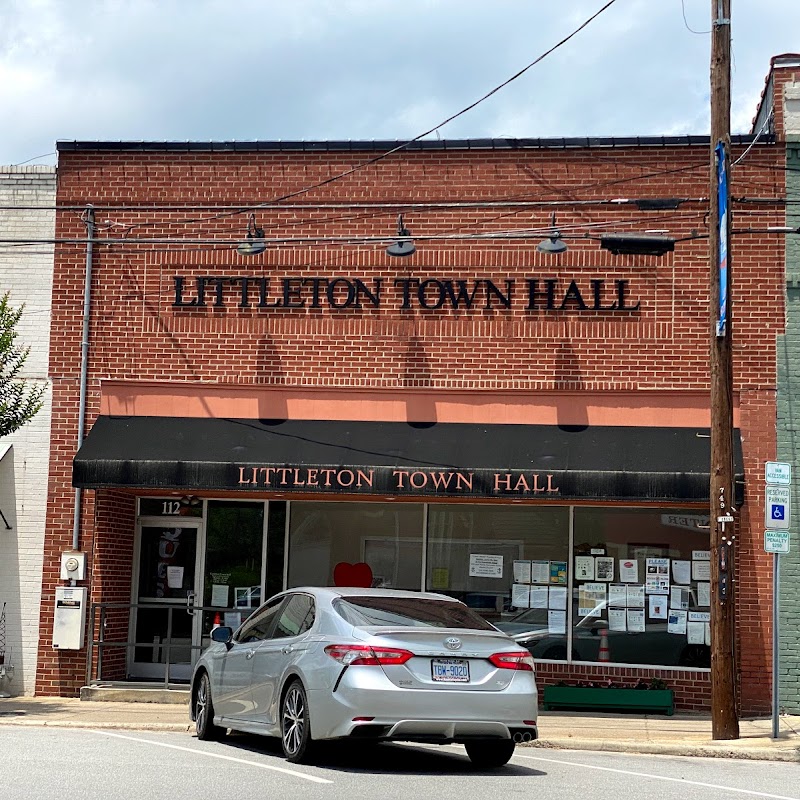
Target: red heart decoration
(346, 574)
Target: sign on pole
(722, 222)
(776, 541)
(778, 507)
(778, 473)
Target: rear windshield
(415, 612)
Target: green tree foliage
(19, 402)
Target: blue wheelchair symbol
(777, 512)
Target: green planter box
(660, 700)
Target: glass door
(167, 586)
(233, 567)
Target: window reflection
(642, 587)
(355, 544)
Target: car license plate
(450, 670)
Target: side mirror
(222, 634)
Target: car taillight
(516, 660)
(363, 655)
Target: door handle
(249, 654)
(286, 650)
(190, 603)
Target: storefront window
(641, 589)
(276, 539)
(507, 563)
(234, 544)
(355, 544)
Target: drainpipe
(87, 301)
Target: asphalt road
(45, 763)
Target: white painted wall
(27, 273)
(791, 109)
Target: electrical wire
(750, 146)
(35, 158)
(686, 22)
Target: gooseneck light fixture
(404, 246)
(554, 243)
(254, 243)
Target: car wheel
(490, 753)
(204, 712)
(296, 725)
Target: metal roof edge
(384, 145)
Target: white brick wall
(27, 273)
(791, 101)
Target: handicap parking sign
(777, 510)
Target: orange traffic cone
(603, 653)
(218, 622)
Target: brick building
(525, 430)
(27, 200)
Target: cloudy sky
(368, 69)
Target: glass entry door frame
(180, 667)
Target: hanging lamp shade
(554, 243)
(404, 246)
(254, 242)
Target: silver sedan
(315, 664)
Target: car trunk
(437, 666)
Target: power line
(686, 22)
(35, 158)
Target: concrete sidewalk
(680, 735)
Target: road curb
(765, 753)
(179, 727)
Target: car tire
(490, 753)
(204, 725)
(298, 746)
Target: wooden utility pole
(724, 720)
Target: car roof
(331, 592)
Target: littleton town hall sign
(533, 294)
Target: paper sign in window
(219, 594)
(617, 619)
(522, 571)
(539, 596)
(636, 620)
(175, 577)
(556, 621)
(676, 622)
(540, 571)
(701, 570)
(584, 568)
(485, 566)
(520, 595)
(618, 595)
(558, 597)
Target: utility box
(69, 620)
(73, 565)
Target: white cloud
(352, 69)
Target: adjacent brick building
(525, 430)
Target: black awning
(396, 458)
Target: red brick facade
(659, 349)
